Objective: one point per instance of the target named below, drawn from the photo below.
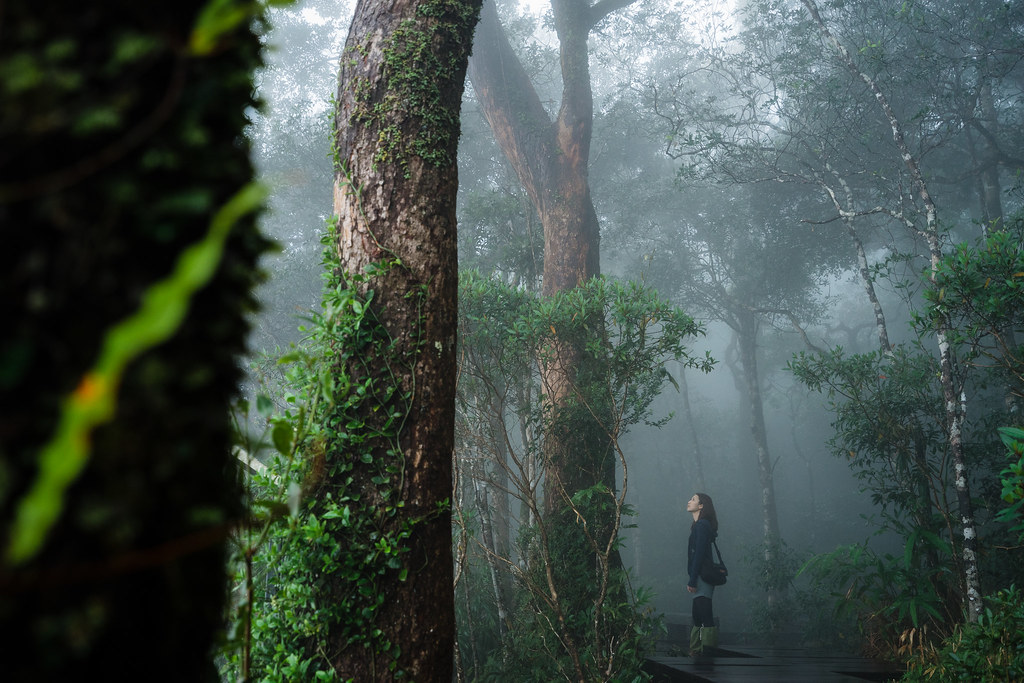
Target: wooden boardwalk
(750, 664)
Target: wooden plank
(745, 665)
(252, 464)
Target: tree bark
(399, 97)
(549, 158)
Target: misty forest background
(740, 169)
(769, 250)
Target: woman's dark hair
(708, 511)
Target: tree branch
(603, 8)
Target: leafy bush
(573, 611)
(805, 611)
(991, 650)
(888, 595)
(1013, 480)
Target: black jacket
(698, 548)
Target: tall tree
(954, 394)
(131, 252)
(551, 160)
(399, 96)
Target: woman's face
(694, 504)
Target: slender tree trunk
(492, 555)
(955, 398)
(811, 495)
(498, 478)
(698, 459)
(863, 268)
(470, 627)
(399, 95)
(529, 471)
(991, 189)
(498, 514)
(747, 337)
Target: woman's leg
(702, 614)
(702, 620)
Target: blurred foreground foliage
(130, 256)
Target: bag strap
(717, 551)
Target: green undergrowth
(990, 650)
(330, 524)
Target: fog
(735, 200)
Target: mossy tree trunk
(399, 97)
(121, 137)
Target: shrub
(991, 650)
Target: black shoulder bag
(713, 572)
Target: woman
(702, 533)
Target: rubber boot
(708, 638)
(696, 647)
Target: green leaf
(264, 406)
(218, 18)
(283, 437)
(1013, 438)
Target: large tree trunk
(549, 158)
(399, 95)
(114, 163)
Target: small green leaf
(264, 406)
(283, 436)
